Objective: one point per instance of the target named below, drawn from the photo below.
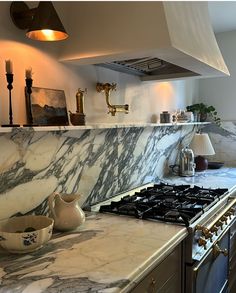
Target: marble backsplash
(97, 163)
(224, 142)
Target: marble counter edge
(148, 264)
(98, 126)
(155, 260)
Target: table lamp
(201, 146)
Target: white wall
(146, 100)
(221, 92)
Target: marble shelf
(98, 126)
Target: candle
(28, 73)
(9, 67)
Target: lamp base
(201, 163)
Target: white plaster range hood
(155, 40)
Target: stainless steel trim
(209, 214)
(211, 250)
(196, 268)
(220, 215)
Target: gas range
(206, 212)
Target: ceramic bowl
(25, 234)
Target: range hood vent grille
(147, 66)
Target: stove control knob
(214, 230)
(224, 219)
(209, 235)
(232, 210)
(229, 214)
(220, 224)
(203, 229)
(199, 227)
(202, 242)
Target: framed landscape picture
(48, 106)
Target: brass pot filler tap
(107, 88)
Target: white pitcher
(65, 211)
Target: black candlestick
(10, 87)
(29, 82)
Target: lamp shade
(201, 145)
(46, 24)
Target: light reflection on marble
(97, 163)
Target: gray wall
(220, 92)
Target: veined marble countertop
(224, 177)
(108, 253)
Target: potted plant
(203, 111)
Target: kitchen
(111, 154)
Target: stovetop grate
(180, 204)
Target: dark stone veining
(98, 163)
(224, 142)
(15, 266)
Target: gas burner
(180, 204)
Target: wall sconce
(201, 146)
(43, 22)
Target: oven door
(210, 275)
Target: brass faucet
(80, 101)
(107, 88)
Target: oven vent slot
(147, 66)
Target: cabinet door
(166, 277)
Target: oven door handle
(196, 268)
(216, 250)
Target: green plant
(205, 110)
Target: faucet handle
(107, 87)
(113, 86)
(99, 87)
